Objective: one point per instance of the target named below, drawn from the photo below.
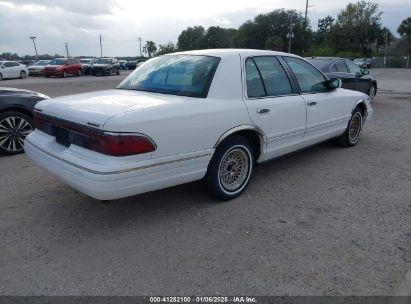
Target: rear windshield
(57, 62)
(185, 75)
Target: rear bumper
(53, 73)
(105, 177)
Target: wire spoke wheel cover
(355, 128)
(234, 169)
(13, 132)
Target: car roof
(233, 52)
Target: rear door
(273, 104)
(328, 110)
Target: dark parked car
(16, 118)
(63, 67)
(86, 64)
(352, 76)
(105, 66)
(131, 65)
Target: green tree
(191, 38)
(380, 41)
(254, 33)
(356, 28)
(274, 43)
(166, 49)
(217, 37)
(405, 31)
(150, 48)
(324, 24)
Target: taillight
(114, 144)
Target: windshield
(185, 75)
(103, 61)
(86, 61)
(57, 62)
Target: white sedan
(12, 69)
(182, 117)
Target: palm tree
(405, 27)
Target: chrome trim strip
(242, 128)
(119, 171)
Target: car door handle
(262, 110)
(312, 103)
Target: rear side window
(266, 77)
(341, 67)
(308, 77)
(255, 87)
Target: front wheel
(23, 74)
(353, 132)
(230, 168)
(14, 127)
(64, 74)
(372, 91)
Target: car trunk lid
(95, 108)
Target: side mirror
(365, 72)
(2, 66)
(334, 83)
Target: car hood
(95, 108)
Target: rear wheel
(1, 76)
(23, 74)
(79, 73)
(353, 132)
(14, 127)
(230, 169)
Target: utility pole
(67, 52)
(306, 12)
(290, 34)
(139, 39)
(34, 43)
(385, 51)
(101, 48)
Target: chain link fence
(403, 62)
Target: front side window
(308, 77)
(185, 75)
(355, 69)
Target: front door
(273, 105)
(327, 111)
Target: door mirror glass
(334, 83)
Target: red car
(63, 67)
